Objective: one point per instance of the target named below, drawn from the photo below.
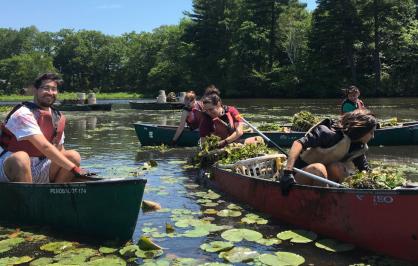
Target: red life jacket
(224, 129)
(51, 124)
(195, 115)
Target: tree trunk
(272, 34)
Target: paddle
(309, 175)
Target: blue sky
(108, 16)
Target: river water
(108, 145)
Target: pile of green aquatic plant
(271, 127)
(391, 122)
(247, 151)
(210, 143)
(303, 121)
(381, 177)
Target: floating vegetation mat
(381, 177)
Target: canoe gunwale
(100, 181)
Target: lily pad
(297, 236)
(159, 262)
(149, 254)
(228, 213)
(210, 211)
(197, 232)
(129, 251)
(333, 245)
(107, 250)
(237, 235)
(216, 246)
(145, 243)
(253, 219)
(288, 258)
(8, 244)
(15, 260)
(268, 242)
(233, 206)
(58, 247)
(111, 260)
(238, 254)
(41, 262)
(210, 204)
(191, 186)
(184, 262)
(75, 256)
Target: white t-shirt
(23, 124)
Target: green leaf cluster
(382, 177)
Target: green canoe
(84, 107)
(149, 135)
(153, 105)
(101, 208)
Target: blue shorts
(39, 168)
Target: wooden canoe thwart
(149, 134)
(84, 107)
(384, 221)
(101, 208)
(153, 105)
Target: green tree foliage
(248, 48)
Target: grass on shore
(73, 95)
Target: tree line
(247, 48)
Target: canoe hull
(155, 105)
(105, 209)
(380, 220)
(150, 135)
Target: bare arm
(294, 153)
(181, 126)
(50, 151)
(236, 134)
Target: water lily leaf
(35, 238)
(288, 258)
(213, 227)
(197, 232)
(210, 204)
(107, 250)
(181, 211)
(159, 235)
(177, 162)
(149, 254)
(159, 262)
(215, 264)
(203, 200)
(238, 254)
(253, 219)
(228, 213)
(269, 259)
(111, 260)
(129, 251)
(191, 186)
(333, 245)
(233, 206)
(237, 235)
(41, 262)
(268, 242)
(146, 244)
(210, 211)
(149, 229)
(297, 236)
(75, 256)
(8, 244)
(15, 260)
(58, 247)
(216, 246)
(184, 262)
(169, 180)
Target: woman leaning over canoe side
(351, 101)
(332, 150)
(191, 115)
(222, 121)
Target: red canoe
(385, 221)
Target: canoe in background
(104, 208)
(153, 105)
(84, 107)
(149, 134)
(383, 221)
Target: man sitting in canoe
(222, 121)
(351, 102)
(191, 115)
(332, 150)
(32, 139)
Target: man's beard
(46, 103)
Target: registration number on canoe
(75, 190)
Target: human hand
(222, 143)
(80, 172)
(173, 142)
(287, 181)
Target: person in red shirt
(223, 121)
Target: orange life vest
(51, 124)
